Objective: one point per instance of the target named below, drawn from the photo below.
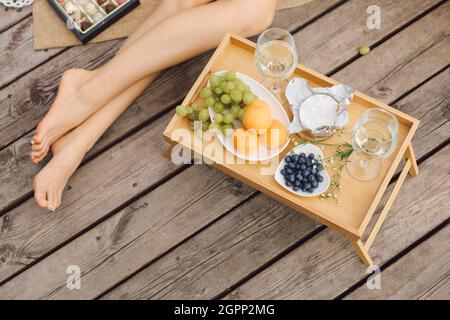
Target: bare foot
(68, 111)
(50, 182)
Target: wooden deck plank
(340, 34)
(422, 273)
(429, 105)
(22, 109)
(10, 16)
(18, 56)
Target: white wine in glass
(374, 139)
(276, 58)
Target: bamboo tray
(359, 200)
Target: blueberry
(314, 184)
(319, 179)
(288, 184)
(297, 183)
(283, 172)
(308, 163)
(311, 178)
(302, 154)
(287, 159)
(306, 172)
(302, 167)
(291, 178)
(301, 160)
(289, 171)
(294, 158)
(296, 188)
(319, 167)
(291, 165)
(310, 190)
(298, 176)
(307, 185)
(311, 156)
(314, 171)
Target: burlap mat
(50, 31)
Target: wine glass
(374, 138)
(276, 58)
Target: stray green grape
(364, 50)
(181, 111)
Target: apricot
(245, 141)
(257, 116)
(275, 136)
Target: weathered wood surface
(15, 157)
(9, 16)
(423, 273)
(21, 109)
(187, 251)
(428, 103)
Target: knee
(257, 15)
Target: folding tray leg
(362, 252)
(409, 155)
(363, 249)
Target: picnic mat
(50, 30)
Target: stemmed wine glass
(276, 58)
(374, 139)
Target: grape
(226, 99)
(240, 87)
(228, 118)
(181, 111)
(218, 90)
(218, 118)
(226, 111)
(195, 107)
(228, 86)
(189, 110)
(215, 127)
(241, 114)
(203, 115)
(205, 126)
(227, 129)
(205, 93)
(248, 98)
(214, 81)
(210, 101)
(235, 109)
(236, 95)
(230, 75)
(364, 50)
(218, 107)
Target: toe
(40, 195)
(52, 200)
(36, 139)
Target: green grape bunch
(227, 95)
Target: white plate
(278, 113)
(306, 149)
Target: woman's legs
(172, 41)
(49, 130)
(69, 150)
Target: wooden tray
(358, 199)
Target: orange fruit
(275, 136)
(245, 141)
(257, 116)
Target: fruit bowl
(278, 113)
(318, 154)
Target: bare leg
(175, 39)
(69, 150)
(50, 129)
